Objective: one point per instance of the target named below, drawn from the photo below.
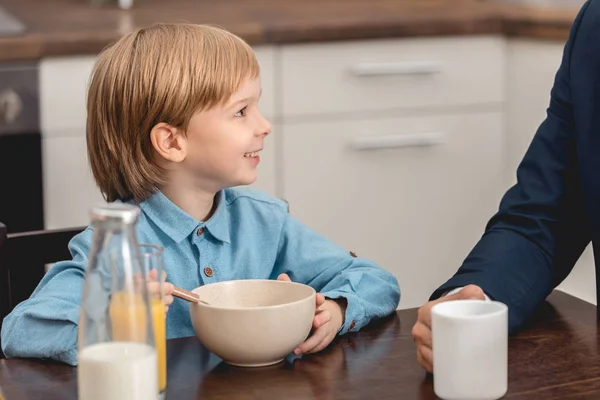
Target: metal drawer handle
(397, 68)
(425, 139)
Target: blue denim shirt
(250, 235)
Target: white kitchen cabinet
(69, 189)
(532, 65)
(375, 75)
(415, 202)
(530, 71)
(63, 86)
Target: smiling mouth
(251, 155)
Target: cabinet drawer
(387, 74)
(413, 194)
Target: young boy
(173, 125)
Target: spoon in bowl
(187, 295)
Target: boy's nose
(265, 128)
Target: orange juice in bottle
(128, 317)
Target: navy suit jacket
(547, 219)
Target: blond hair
(163, 73)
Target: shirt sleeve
(309, 258)
(45, 325)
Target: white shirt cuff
(458, 289)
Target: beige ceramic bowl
(253, 323)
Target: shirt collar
(178, 224)
(218, 224)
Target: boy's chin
(247, 181)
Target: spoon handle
(185, 294)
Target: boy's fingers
(321, 319)
(320, 299)
(152, 275)
(168, 288)
(310, 343)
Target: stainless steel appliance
(21, 186)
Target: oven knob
(10, 106)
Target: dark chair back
(23, 260)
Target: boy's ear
(168, 142)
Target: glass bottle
(116, 350)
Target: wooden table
(556, 356)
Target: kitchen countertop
(71, 27)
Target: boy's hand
(329, 318)
(154, 288)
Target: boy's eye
(241, 113)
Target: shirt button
(200, 231)
(352, 325)
(208, 271)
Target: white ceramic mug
(470, 349)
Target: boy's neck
(199, 204)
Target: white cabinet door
(532, 66)
(63, 88)
(413, 194)
(69, 189)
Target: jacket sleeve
(540, 229)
